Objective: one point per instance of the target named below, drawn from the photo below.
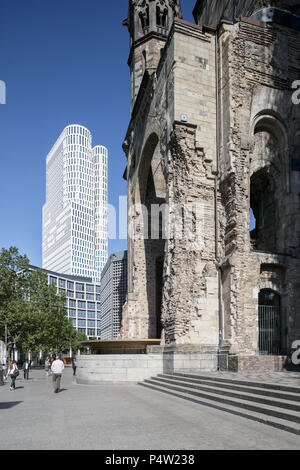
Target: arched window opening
(161, 17)
(269, 323)
(144, 19)
(144, 53)
(263, 211)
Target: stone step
(231, 389)
(252, 383)
(235, 409)
(241, 400)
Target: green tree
(53, 330)
(14, 270)
(35, 314)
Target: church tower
(149, 23)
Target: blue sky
(63, 62)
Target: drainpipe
(216, 200)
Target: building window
(263, 211)
(144, 19)
(161, 17)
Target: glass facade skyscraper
(113, 294)
(75, 234)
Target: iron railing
(269, 330)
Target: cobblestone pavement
(118, 417)
(282, 378)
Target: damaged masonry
(213, 125)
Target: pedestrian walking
(51, 360)
(13, 373)
(57, 368)
(47, 366)
(74, 365)
(26, 367)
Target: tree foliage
(35, 313)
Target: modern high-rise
(75, 233)
(83, 301)
(113, 294)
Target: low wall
(257, 363)
(132, 368)
(117, 368)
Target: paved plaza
(118, 417)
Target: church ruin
(213, 175)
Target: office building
(83, 301)
(75, 213)
(113, 294)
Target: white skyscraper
(75, 234)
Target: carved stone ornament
(142, 7)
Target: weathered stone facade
(213, 133)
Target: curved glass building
(75, 234)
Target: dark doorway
(269, 322)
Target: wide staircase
(269, 403)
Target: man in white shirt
(57, 370)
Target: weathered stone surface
(181, 153)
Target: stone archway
(152, 187)
(269, 178)
(147, 240)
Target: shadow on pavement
(10, 404)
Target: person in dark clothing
(26, 367)
(74, 365)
